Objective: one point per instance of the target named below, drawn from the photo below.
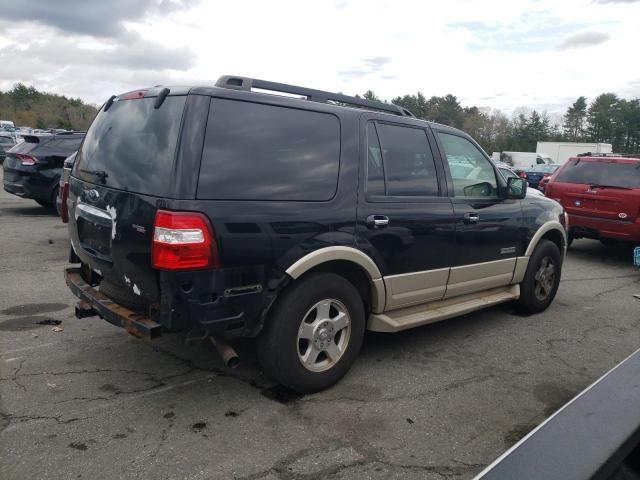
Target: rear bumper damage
(186, 305)
(92, 302)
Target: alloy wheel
(323, 336)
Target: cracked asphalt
(438, 402)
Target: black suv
(230, 212)
(32, 168)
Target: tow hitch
(92, 303)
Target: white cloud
(492, 54)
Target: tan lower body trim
(377, 295)
(479, 276)
(409, 317)
(520, 270)
(414, 288)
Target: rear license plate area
(95, 229)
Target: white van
(7, 125)
(522, 160)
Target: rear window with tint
(132, 146)
(262, 152)
(626, 175)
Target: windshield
(132, 146)
(625, 175)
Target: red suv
(601, 195)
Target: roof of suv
(607, 159)
(265, 87)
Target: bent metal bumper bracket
(92, 303)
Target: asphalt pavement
(437, 402)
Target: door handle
(471, 218)
(377, 221)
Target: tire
(54, 200)
(536, 293)
(570, 240)
(44, 203)
(285, 342)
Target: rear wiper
(101, 174)
(609, 186)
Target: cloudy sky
(490, 53)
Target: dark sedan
(534, 174)
(32, 168)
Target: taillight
(26, 159)
(183, 241)
(64, 211)
(524, 175)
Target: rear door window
(625, 175)
(262, 152)
(132, 146)
(399, 162)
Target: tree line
(26, 106)
(607, 119)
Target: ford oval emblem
(622, 215)
(93, 195)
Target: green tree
(370, 95)
(574, 120)
(602, 116)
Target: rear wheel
(54, 200)
(44, 203)
(542, 278)
(314, 333)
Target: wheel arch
(553, 231)
(349, 262)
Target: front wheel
(542, 278)
(314, 333)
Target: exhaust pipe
(226, 351)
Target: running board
(409, 317)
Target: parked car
(63, 190)
(542, 184)
(593, 436)
(7, 142)
(533, 175)
(231, 213)
(601, 194)
(508, 173)
(32, 168)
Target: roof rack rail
(589, 154)
(249, 84)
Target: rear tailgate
(121, 174)
(607, 189)
(111, 231)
